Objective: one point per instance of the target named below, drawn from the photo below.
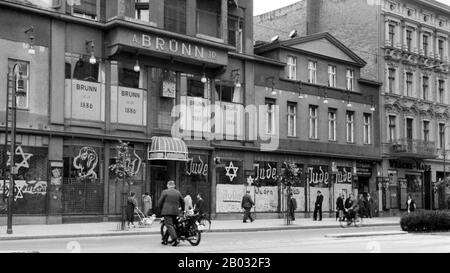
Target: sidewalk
(24, 232)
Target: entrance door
(158, 183)
(394, 190)
(428, 190)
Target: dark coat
(292, 204)
(170, 202)
(200, 206)
(340, 203)
(348, 203)
(131, 205)
(247, 202)
(319, 200)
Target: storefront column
(55, 154)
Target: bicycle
(204, 223)
(347, 220)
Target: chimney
(313, 16)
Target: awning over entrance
(168, 148)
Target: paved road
(294, 241)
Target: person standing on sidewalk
(410, 204)
(147, 200)
(131, 206)
(318, 206)
(371, 205)
(340, 207)
(247, 204)
(292, 206)
(199, 205)
(188, 206)
(169, 204)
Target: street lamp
(17, 87)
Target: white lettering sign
(86, 100)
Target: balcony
(413, 148)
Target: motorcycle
(186, 229)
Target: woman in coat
(131, 206)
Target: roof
(288, 44)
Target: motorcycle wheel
(165, 232)
(195, 240)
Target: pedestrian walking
(292, 206)
(131, 206)
(247, 204)
(147, 200)
(340, 207)
(371, 205)
(318, 206)
(410, 204)
(169, 205)
(199, 206)
(188, 206)
(361, 205)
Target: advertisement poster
(128, 106)
(229, 197)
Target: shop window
(85, 71)
(228, 93)
(209, 17)
(196, 88)
(175, 15)
(130, 78)
(23, 83)
(83, 8)
(235, 32)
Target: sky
(262, 6)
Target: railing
(414, 146)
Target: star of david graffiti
(234, 169)
(25, 157)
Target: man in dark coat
(247, 204)
(199, 205)
(340, 207)
(169, 204)
(292, 206)
(318, 206)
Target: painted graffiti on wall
(25, 187)
(229, 197)
(25, 157)
(85, 162)
(318, 175)
(344, 175)
(196, 168)
(266, 199)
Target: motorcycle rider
(169, 204)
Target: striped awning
(168, 148)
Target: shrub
(426, 221)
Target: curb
(121, 233)
(366, 234)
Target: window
(425, 83)
(426, 130)
(441, 85)
(409, 129)
(391, 80)
(441, 48)
(235, 30)
(409, 40)
(270, 116)
(84, 8)
(441, 134)
(195, 88)
(175, 15)
(350, 79)
(392, 128)
(313, 119)
(332, 124)
(312, 69)
(142, 10)
(367, 128)
(227, 92)
(209, 17)
(391, 34)
(292, 119)
(350, 126)
(425, 45)
(130, 78)
(292, 67)
(85, 71)
(332, 76)
(22, 97)
(409, 84)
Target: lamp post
(17, 79)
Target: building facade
(405, 44)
